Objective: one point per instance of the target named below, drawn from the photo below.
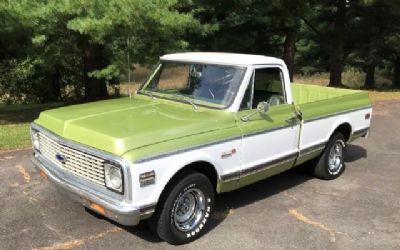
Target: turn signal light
(42, 174)
(96, 207)
(367, 116)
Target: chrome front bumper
(116, 210)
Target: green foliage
(66, 49)
(57, 34)
(109, 73)
(247, 26)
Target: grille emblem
(61, 158)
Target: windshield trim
(159, 67)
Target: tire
(331, 164)
(184, 212)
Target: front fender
(165, 169)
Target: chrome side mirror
(262, 109)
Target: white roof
(222, 58)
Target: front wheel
(330, 164)
(187, 207)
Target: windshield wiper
(188, 100)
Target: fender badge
(225, 155)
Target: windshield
(201, 84)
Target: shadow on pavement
(355, 152)
(258, 191)
(247, 195)
(231, 200)
(142, 230)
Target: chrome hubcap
(189, 210)
(335, 158)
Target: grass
(14, 136)
(384, 95)
(351, 78)
(19, 113)
(354, 79)
(14, 123)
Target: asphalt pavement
(360, 210)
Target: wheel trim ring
(188, 222)
(335, 158)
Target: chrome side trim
(265, 131)
(155, 157)
(230, 176)
(337, 113)
(360, 132)
(90, 150)
(257, 168)
(267, 165)
(312, 149)
(162, 155)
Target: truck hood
(120, 125)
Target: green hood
(124, 124)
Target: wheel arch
(200, 166)
(345, 129)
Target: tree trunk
(337, 46)
(289, 50)
(370, 65)
(51, 92)
(55, 85)
(396, 74)
(370, 76)
(93, 59)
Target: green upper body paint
(121, 125)
(149, 127)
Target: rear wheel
(330, 164)
(186, 209)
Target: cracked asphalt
(360, 210)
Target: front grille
(74, 161)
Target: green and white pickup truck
(201, 124)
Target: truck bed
(315, 101)
(305, 93)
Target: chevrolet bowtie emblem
(61, 158)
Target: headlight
(35, 140)
(113, 176)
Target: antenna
(129, 66)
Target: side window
(268, 87)
(246, 101)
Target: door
(270, 140)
